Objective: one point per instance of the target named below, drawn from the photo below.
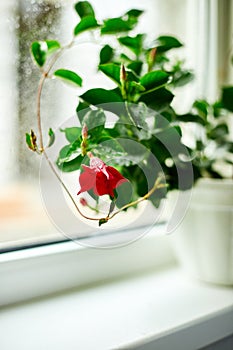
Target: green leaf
(52, 45)
(100, 96)
(154, 80)
(134, 152)
(217, 109)
(102, 221)
(112, 70)
(68, 76)
(110, 150)
(39, 50)
(51, 137)
(72, 134)
(192, 118)
(135, 66)
(182, 78)
(165, 43)
(139, 112)
(115, 25)
(86, 23)
(31, 141)
(124, 194)
(158, 99)
(220, 131)
(71, 165)
(84, 9)
(133, 43)
(94, 119)
(134, 13)
(201, 106)
(106, 54)
(170, 139)
(227, 98)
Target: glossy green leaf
(133, 43)
(39, 51)
(115, 25)
(135, 66)
(94, 119)
(110, 151)
(71, 165)
(201, 107)
(106, 54)
(157, 99)
(84, 9)
(51, 137)
(227, 98)
(72, 134)
(165, 43)
(52, 45)
(112, 70)
(182, 78)
(154, 80)
(139, 112)
(86, 23)
(100, 96)
(68, 76)
(190, 118)
(134, 13)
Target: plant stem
(129, 113)
(157, 185)
(66, 189)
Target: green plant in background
(144, 144)
(212, 152)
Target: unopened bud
(84, 132)
(31, 141)
(83, 202)
(123, 76)
(151, 58)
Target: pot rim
(209, 182)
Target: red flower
(103, 179)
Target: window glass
(23, 219)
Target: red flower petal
(103, 185)
(115, 178)
(87, 179)
(101, 178)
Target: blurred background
(204, 26)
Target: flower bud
(123, 76)
(83, 202)
(84, 132)
(151, 58)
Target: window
(204, 27)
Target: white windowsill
(159, 310)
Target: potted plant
(204, 239)
(125, 145)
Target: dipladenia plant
(138, 157)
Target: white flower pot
(204, 240)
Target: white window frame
(36, 272)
